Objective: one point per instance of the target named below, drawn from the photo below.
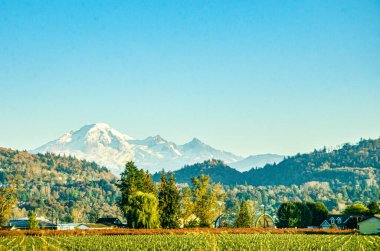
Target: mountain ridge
(101, 143)
(355, 165)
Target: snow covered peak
(89, 138)
(101, 129)
(66, 138)
(196, 141)
(155, 140)
(101, 143)
(100, 126)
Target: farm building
(114, 222)
(342, 221)
(370, 225)
(22, 223)
(225, 220)
(93, 226)
(82, 226)
(67, 226)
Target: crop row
(120, 231)
(194, 241)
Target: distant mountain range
(256, 161)
(108, 147)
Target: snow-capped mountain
(258, 161)
(108, 147)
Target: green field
(196, 241)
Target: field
(189, 241)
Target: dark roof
(109, 221)
(344, 217)
(95, 226)
(23, 224)
(372, 216)
(347, 220)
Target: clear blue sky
(245, 76)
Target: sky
(248, 77)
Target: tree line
(146, 206)
(304, 214)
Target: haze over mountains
(103, 144)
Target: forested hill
(68, 188)
(216, 169)
(349, 164)
(346, 164)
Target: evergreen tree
(148, 186)
(128, 184)
(232, 203)
(168, 202)
(132, 181)
(143, 210)
(205, 200)
(244, 218)
(32, 220)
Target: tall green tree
(287, 215)
(303, 214)
(168, 202)
(373, 207)
(143, 210)
(32, 220)
(186, 206)
(148, 186)
(132, 181)
(294, 214)
(232, 204)
(319, 212)
(244, 217)
(205, 200)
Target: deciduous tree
(205, 200)
(356, 208)
(143, 210)
(8, 199)
(303, 214)
(373, 207)
(287, 215)
(187, 205)
(319, 212)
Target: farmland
(191, 241)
